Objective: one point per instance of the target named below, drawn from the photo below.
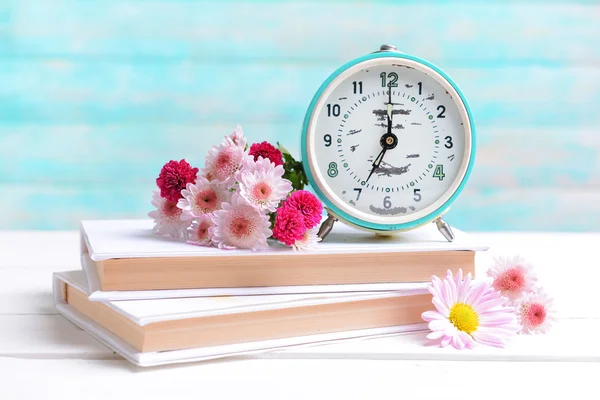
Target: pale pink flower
(466, 314)
(237, 137)
(535, 312)
(223, 162)
(167, 217)
(240, 225)
(308, 241)
(203, 197)
(199, 232)
(513, 277)
(265, 188)
(261, 164)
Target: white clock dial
(386, 172)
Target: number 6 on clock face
(388, 142)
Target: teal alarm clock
(388, 143)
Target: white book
(155, 332)
(125, 260)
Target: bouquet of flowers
(243, 196)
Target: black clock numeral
(443, 110)
(333, 110)
(357, 85)
(386, 202)
(449, 143)
(327, 139)
(359, 190)
(393, 79)
(420, 85)
(417, 195)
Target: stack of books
(156, 300)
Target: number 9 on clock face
(388, 142)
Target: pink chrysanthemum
(240, 225)
(167, 217)
(535, 313)
(289, 225)
(513, 277)
(199, 232)
(265, 188)
(260, 164)
(203, 198)
(308, 241)
(237, 137)
(467, 314)
(308, 204)
(223, 161)
(173, 178)
(266, 150)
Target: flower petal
(464, 289)
(467, 339)
(441, 307)
(439, 324)
(496, 319)
(488, 339)
(435, 335)
(445, 341)
(489, 304)
(432, 316)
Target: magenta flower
(289, 225)
(266, 150)
(466, 314)
(173, 178)
(308, 204)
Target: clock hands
(388, 140)
(377, 162)
(390, 109)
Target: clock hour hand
(377, 162)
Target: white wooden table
(43, 356)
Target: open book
(126, 256)
(154, 332)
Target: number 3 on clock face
(388, 142)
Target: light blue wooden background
(96, 95)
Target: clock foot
(326, 226)
(444, 229)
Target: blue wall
(96, 95)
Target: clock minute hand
(377, 162)
(390, 111)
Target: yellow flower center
(464, 318)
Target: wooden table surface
(42, 355)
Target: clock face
(389, 141)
